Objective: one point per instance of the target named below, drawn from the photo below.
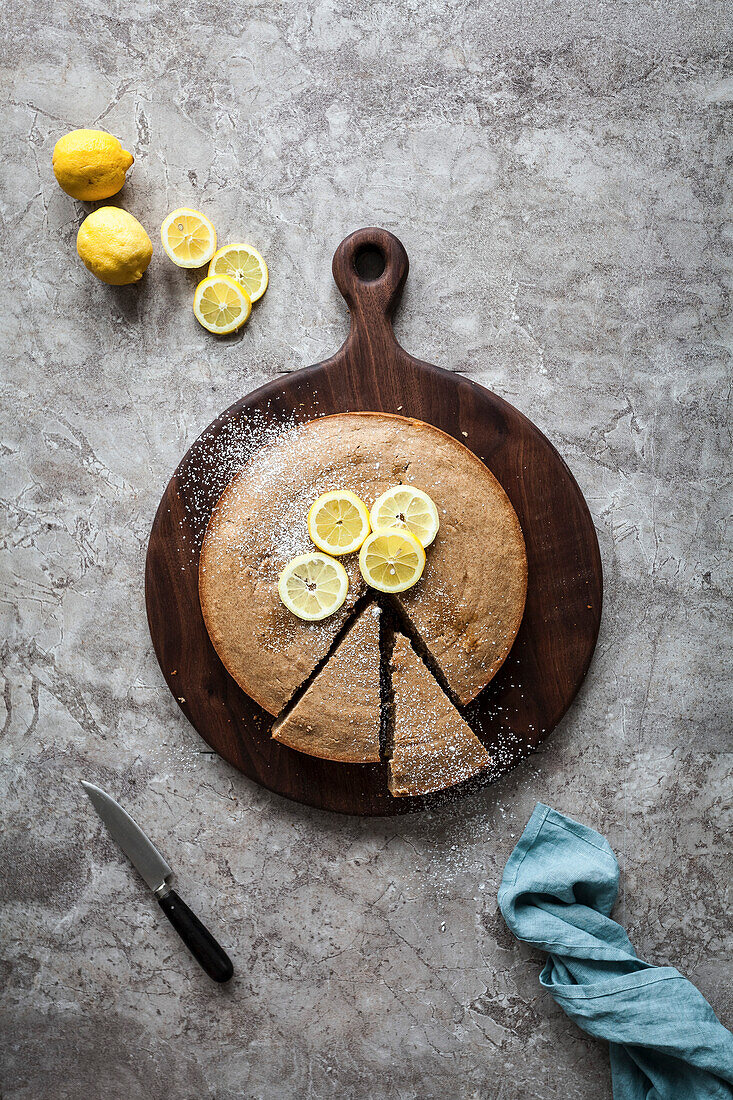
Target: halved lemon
(188, 237)
(220, 304)
(313, 586)
(406, 506)
(338, 522)
(245, 265)
(391, 559)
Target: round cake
(467, 606)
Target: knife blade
(155, 871)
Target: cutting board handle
(371, 295)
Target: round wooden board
(371, 372)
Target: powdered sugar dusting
(224, 450)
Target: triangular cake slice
(338, 716)
(433, 747)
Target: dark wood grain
(371, 371)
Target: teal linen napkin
(557, 892)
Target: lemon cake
(338, 716)
(467, 606)
(432, 746)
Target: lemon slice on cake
(221, 305)
(338, 522)
(391, 559)
(406, 506)
(245, 265)
(188, 237)
(313, 586)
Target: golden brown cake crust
(467, 606)
(338, 717)
(433, 747)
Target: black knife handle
(199, 941)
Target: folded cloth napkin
(558, 889)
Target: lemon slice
(338, 522)
(406, 506)
(220, 304)
(313, 586)
(244, 264)
(188, 237)
(391, 559)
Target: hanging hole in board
(369, 263)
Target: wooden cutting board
(553, 649)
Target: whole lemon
(114, 246)
(90, 164)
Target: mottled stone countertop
(557, 174)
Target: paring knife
(150, 864)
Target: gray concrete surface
(557, 174)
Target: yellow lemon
(406, 506)
(391, 559)
(338, 522)
(114, 246)
(90, 164)
(245, 265)
(188, 237)
(221, 305)
(313, 586)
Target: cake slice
(433, 748)
(338, 716)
